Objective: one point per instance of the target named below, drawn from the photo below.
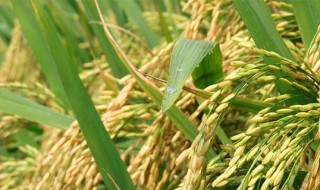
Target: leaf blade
(13, 103)
(258, 20)
(308, 18)
(36, 39)
(133, 12)
(210, 69)
(105, 154)
(114, 61)
(186, 56)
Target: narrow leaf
(40, 49)
(114, 61)
(308, 18)
(105, 154)
(70, 28)
(133, 12)
(259, 22)
(164, 25)
(18, 105)
(118, 12)
(186, 56)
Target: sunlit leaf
(186, 57)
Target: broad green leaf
(259, 22)
(203, 60)
(133, 12)
(105, 154)
(186, 57)
(114, 61)
(40, 49)
(18, 105)
(209, 70)
(308, 18)
(175, 115)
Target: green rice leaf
(259, 22)
(69, 27)
(6, 20)
(308, 18)
(15, 104)
(186, 57)
(171, 12)
(164, 26)
(118, 12)
(40, 49)
(105, 154)
(114, 61)
(176, 116)
(203, 60)
(209, 70)
(133, 12)
(6, 14)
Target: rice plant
(160, 94)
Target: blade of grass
(101, 146)
(164, 25)
(209, 70)
(186, 56)
(6, 20)
(308, 18)
(40, 49)
(118, 12)
(203, 60)
(18, 105)
(133, 12)
(170, 9)
(70, 28)
(175, 115)
(114, 61)
(6, 14)
(259, 22)
(5, 34)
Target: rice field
(163, 94)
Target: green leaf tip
(186, 57)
